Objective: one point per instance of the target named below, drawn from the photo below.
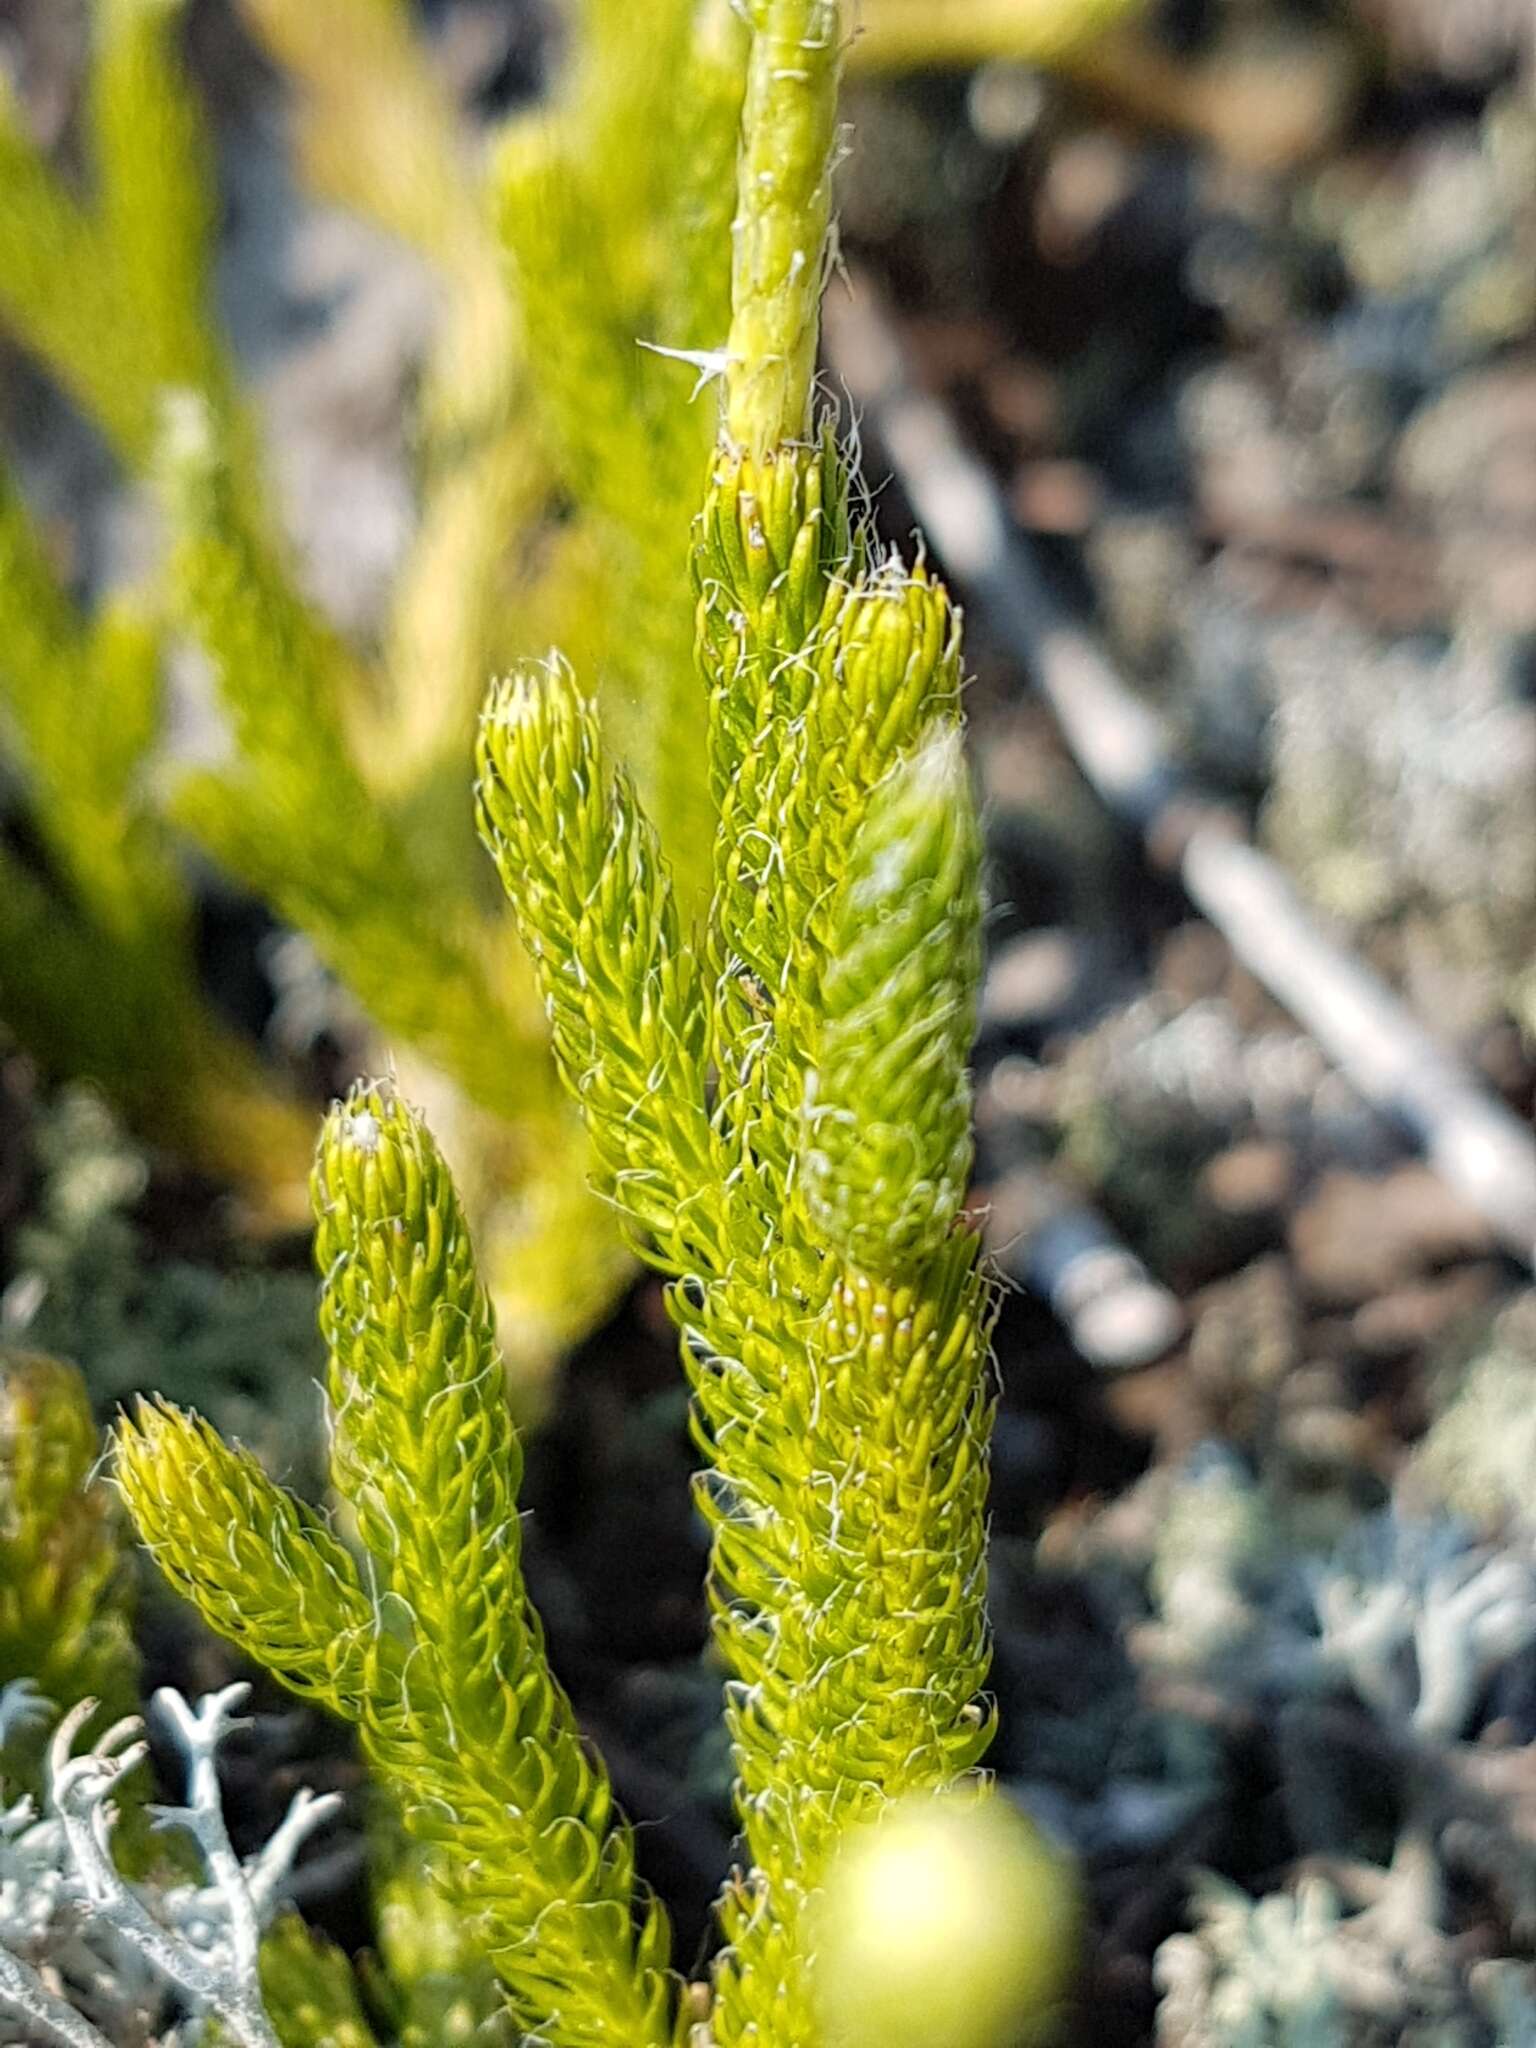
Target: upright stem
(784, 195)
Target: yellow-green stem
(784, 197)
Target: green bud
(581, 866)
(948, 1923)
(772, 548)
(260, 1566)
(886, 1145)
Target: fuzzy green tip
(886, 1145)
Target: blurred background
(1200, 335)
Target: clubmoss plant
(433, 1980)
(66, 1577)
(308, 1985)
(341, 799)
(111, 292)
(104, 904)
(626, 303)
(427, 1643)
(96, 936)
(557, 451)
(776, 1101)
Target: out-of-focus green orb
(949, 1923)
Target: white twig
(265, 1871)
(45, 2012)
(200, 1732)
(1463, 1611)
(22, 1706)
(1467, 1626)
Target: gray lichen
(85, 1284)
(1400, 797)
(89, 1959)
(1479, 1456)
